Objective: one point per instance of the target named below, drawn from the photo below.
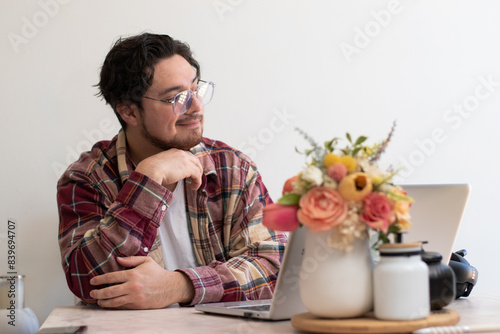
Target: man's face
(159, 125)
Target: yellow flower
(376, 180)
(348, 162)
(369, 151)
(402, 209)
(355, 187)
(404, 225)
(398, 194)
(330, 159)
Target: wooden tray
(368, 324)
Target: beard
(182, 142)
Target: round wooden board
(368, 324)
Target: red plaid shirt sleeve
(99, 222)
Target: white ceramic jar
(401, 283)
(334, 283)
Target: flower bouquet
(342, 190)
(340, 196)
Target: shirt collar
(124, 168)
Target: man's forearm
(143, 285)
(91, 236)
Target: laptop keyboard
(254, 307)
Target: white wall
(277, 65)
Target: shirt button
(163, 207)
(146, 249)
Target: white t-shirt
(176, 245)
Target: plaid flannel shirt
(108, 210)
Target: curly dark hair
(128, 70)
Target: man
(160, 215)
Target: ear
(129, 112)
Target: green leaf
(355, 151)
(383, 237)
(348, 136)
(289, 199)
(329, 145)
(360, 140)
(394, 229)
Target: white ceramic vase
(334, 283)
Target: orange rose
(402, 209)
(322, 208)
(280, 217)
(288, 187)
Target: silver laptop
(286, 300)
(436, 215)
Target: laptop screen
(436, 215)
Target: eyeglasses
(181, 102)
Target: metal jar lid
(401, 249)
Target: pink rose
(322, 208)
(337, 171)
(280, 217)
(378, 211)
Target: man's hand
(171, 166)
(147, 286)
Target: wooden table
(474, 310)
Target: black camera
(465, 274)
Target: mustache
(189, 118)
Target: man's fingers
(195, 182)
(171, 166)
(110, 278)
(123, 296)
(131, 261)
(108, 292)
(197, 173)
(118, 302)
(122, 275)
(134, 288)
(105, 279)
